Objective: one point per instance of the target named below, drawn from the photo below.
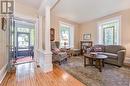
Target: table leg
(103, 62)
(84, 61)
(99, 64)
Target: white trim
(120, 26)
(3, 72)
(108, 21)
(45, 61)
(72, 31)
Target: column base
(45, 61)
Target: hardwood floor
(28, 75)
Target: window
(66, 35)
(109, 32)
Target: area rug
(24, 60)
(90, 76)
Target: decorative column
(36, 46)
(40, 33)
(46, 55)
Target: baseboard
(3, 72)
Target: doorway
(24, 41)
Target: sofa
(116, 53)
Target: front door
(23, 44)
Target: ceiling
(32, 3)
(86, 10)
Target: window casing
(66, 35)
(109, 32)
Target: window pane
(65, 36)
(109, 32)
(23, 40)
(109, 36)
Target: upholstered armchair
(57, 54)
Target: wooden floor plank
(28, 75)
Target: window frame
(104, 35)
(71, 27)
(110, 20)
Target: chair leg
(66, 59)
(59, 62)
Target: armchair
(58, 55)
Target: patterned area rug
(90, 76)
(24, 60)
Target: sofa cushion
(110, 55)
(63, 54)
(113, 48)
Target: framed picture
(86, 36)
(3, 24)
(52, 34)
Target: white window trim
(108, 21)
(72, 32)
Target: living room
(82, 43)
(91, 27)
(91, 30)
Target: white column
(47, 28)
(40, 33)
(36, 46)
(46, 55)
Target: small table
(76, 52)
(98, 59)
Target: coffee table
(95, 60)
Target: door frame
(35, 23)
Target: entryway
(23, 41)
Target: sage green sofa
(116, 53)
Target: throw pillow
(56, 51)
(98, 49)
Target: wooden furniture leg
(90, 61)
(103, 62)
(84, 61)
(99, 64)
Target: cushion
(98, 48)
(63, 54)
(113, 48)
(111, 55)
(55, 50)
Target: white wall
(3, 52)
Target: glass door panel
(23, 40)
(23, 44)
